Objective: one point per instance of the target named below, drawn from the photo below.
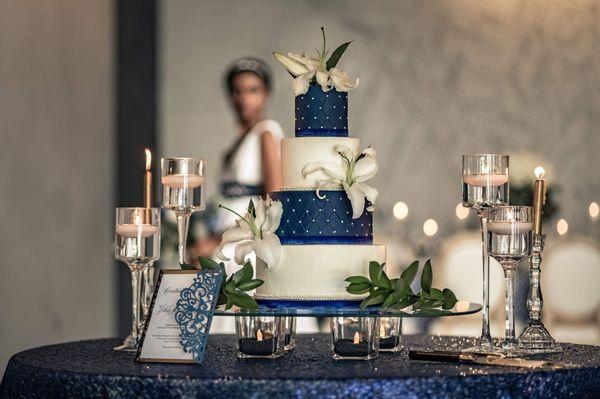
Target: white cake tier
(298, 151)
(316, 272)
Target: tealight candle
(486, 180)
(355, 347)
(264, 344)
(187, 181)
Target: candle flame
(259, 335)
(539, 172)
(356, 338)
(148, 159)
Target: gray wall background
(438, 79)
(57, 269)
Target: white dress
(242, 180)
(242, 176)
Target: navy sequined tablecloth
(92, 369)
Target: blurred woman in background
(251, 165)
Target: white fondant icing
(316, 271)
(298, 151)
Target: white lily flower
(255, 233)
(341, 80)
(294, 66)
(301, 83)
(351, 175)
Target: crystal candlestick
(535, 338)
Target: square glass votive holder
(390, 334)
(355, 338)
(260, 337)
(290, 333)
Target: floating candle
(187, 181)
(136, 230)
(509, 227)
(485, 180)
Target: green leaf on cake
(250, 285)
(375, 270)
(410, 272)
(336, 55)
(449, 299)
(357, 280)
(186, 266)
(426, 277)
(397, 293)
(232, 292)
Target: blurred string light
(594, 210)
(461, 212)
(430, 227)
(400, 210)
(562, 227)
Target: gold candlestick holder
(535, 338)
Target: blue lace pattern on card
(195, 309)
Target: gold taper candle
(539, 198)
(148, 185)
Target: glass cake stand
(460, 309)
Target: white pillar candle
(136, 230)
(485, 180)
(188, 181)
(509, 227)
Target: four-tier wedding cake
(325, 236)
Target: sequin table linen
(92, 369)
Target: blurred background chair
(459, 266)
(572, 267)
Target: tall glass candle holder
(510, 237)
(485, 185)
(183, 192)
(355, 338)
(137, 244)
(260, 337)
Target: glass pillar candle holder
(290, 333)
(485, 185)
(137, 244)
(260, 337)
(183, 191)
(355, 338)
(390, 334)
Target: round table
(92, 369)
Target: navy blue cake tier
(320, 114)
(307, 219)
